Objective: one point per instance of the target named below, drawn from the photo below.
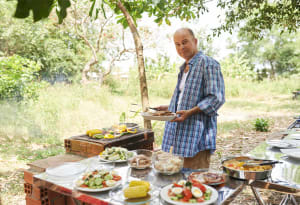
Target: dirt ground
(239, 142)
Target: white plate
(67, 169)
(295, 136)
(294, 153)
(279, 144)
(118, 161)
(98, 190)
(148, 116)
(118, 195)
(164, 196)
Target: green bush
(261, 125)
(18, 78)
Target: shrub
(17, 78)
(261, 125)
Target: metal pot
(247, 175)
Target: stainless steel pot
(248, 175)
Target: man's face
(186, 44)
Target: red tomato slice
(187, 193)
(177, 185)
(201, 199)
(116, 177)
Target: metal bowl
(246, 175)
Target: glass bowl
(142, 159)
(167, 163)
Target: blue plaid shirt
(204, 87)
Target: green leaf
(168, 21)
(40, 9)
(92, 8)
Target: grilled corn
(135, 192)
(93, 132)
(139, 183)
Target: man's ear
(196, 41)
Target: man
(199, 93)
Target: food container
(142, 159)
(166, 163)
(244, 174)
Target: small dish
(279, 144)
(149, 116)
(68, 169)
(294, 153)
(165, 197)
(118, 196)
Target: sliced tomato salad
(189, 192)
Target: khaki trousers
(200, 161)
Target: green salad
(115, 154)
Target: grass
(36, 130)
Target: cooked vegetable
(139, 183)
(135, 191)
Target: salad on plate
(98, 180)
(116, 154)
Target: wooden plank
(275, 187)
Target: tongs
(255, 163)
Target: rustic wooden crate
(88, 147)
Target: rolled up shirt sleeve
(214, 90)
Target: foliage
(256, 16)
(18, 78)
(58, 50)
(156, 68)
(276, 54)
(261, 125)
(238, 66)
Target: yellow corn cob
(93, 132)
(135, 192)
(139, 183)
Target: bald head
(186, 43)
(190, 31)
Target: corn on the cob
(139, 183)
(135, 192)
(93, 132)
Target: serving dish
(208, 178)
(142, 159)
(118, 196)
(261, 172)
(165, 196)
(294, 153)
(166, 163)
(279, 144)
(68, 169)
(116, 154)
(98, 181)
(150, 116)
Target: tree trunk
(272, 72)
(86, 69)
(140, 59)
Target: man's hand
(184, 114)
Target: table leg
(287, 198)
(233, 195)
(257, 196)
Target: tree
(257, 16)
(163, 11)
(97, 35)
(277, 53)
